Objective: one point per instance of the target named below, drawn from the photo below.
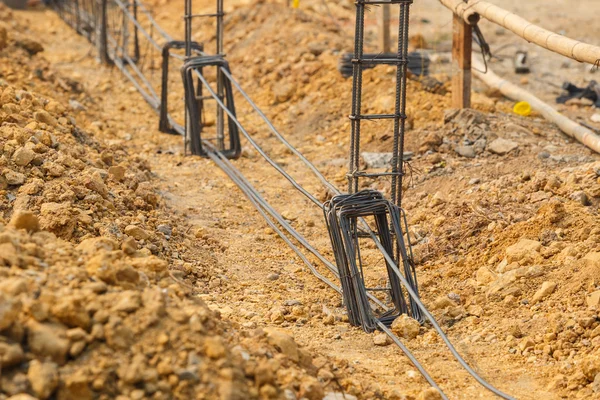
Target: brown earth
(155, 278)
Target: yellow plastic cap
(522, 108)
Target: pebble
(117, 172)
(502, 146)
(406, 327)
(542, 155)
(45, 118)
(23, 156)
(430, 394)
(466, 151)
(381, 339)
(484, 276)
(128, 301)
(339, 396)
(284, 342)
(273, 277)
(522, 249)
(76, 106)
(24, 220)
(10, 354)
(214, 348)
(546, 290)
(9, 311)
(48, 340)
(14, 178)
(580, 197)
(166, 230)
(43, 377)
(136, 232)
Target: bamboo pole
(560, 44)
(513, 92)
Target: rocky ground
(132, 271)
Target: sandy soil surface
(507, 242)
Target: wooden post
(384, 29)
(462, 36)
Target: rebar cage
(126, 35)
(365, 213)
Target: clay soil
(152, 276)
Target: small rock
(43, 377)
(546, 290)
(10, 354)
(3, 38)
(117, 172)
(580, 197)
(284, 342)
(438, 199)
(466, 151)
(502, 146)
(13, 286)
(165, 229)
(128, 301)
(48, 340)
(45, 118)
(484, 276)
(76, 106)
(442, 303)
(31, 46)
(591, 259)
(23, 156)
(136, 232)
(311, 388)
(214, 348)
(273, 277)
(14, 178)
(129, 246)
(339, 396)
(522, 249)
(430, 394)
(593, 299)
(526, 343)
(283, 92)
(406, 327)
(9, 311)
(381, 339)
(21, 396)
(380, 160)
(24, 220)
(590, 367)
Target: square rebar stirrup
(165, 124)
(229, 146)
(344, 215)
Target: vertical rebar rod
(188, 28)
(188, 53)
(356, 97)
(219, 51)
(136, 39)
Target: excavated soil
(132, 271)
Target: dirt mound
(99, 292)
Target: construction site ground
(507, 239)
